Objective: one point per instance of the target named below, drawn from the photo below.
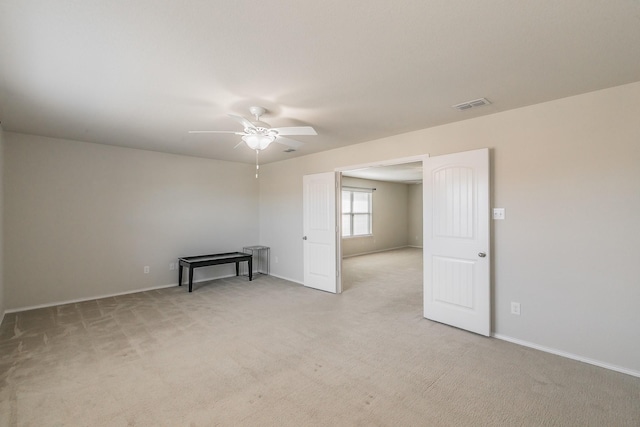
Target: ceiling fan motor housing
(261, 129)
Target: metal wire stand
(261, 258)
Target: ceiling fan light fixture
(258, 142)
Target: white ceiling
(141, 73)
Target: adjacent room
(444, 195)
(381, 214)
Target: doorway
(456, 258)
(393, 221)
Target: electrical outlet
(276, 259)
(172, 266)
(515, 308)
(146, 269)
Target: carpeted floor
(273, 353)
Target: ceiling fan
(259, 135)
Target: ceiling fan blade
(289, 142)
(216, 131)
(244, 122)
(296, 130)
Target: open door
(320, 231)
(456, 240)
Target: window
(356, 212)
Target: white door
(320, 231)
(456, 240)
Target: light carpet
(274, 353)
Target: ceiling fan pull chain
(257, 165)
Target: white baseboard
(568, 355)
(134, 291)
(378, 251)
(286, 278)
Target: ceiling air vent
(289, 150)
(472, 104)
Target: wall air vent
(289, 150)
(471, 104)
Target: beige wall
(2, 292)
(390, 214)
(415, 215)
(82, 220)
(568, 174)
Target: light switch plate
(498, 213)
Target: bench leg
(237, 268)
(179, 275)
(250, 262)
(190, 278)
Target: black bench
(192, 262)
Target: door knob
(304, 238)
(482, 254)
